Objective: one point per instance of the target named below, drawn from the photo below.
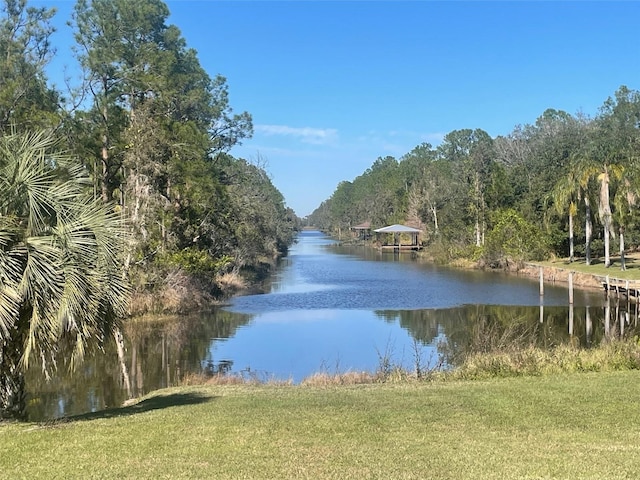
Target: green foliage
(376, 196)
(198, 262)
(513, 239)
(263, 226)
(164, 128)
(513, 361)
(60, 275)
(26, 102)
(148, 193)
(566, 177)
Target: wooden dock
(400, 248)
(621, 289)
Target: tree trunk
(13, 395)
(477, 208)
(121, 358)
(622, 263)
(607, 253)
(587, 231)
(605, 214)
(105, 169)
(434, 211)
(570, 237)
(105, 145)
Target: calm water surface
(331, 308)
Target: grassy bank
(598, 268)
(558, 426)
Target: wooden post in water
(570, 288)
(541, 282)
(616, 313)
(541, 312)
(627, 314)
(607, 315)
(589, 326)
(608, 286)
(627, 317)
(626, 285)
(571, 319)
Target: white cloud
(433, 138)
(315, 136)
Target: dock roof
(397, 229)
(362, 226)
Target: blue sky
(333, 85)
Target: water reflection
(161, 352)
(335, 308)
(484, 328)
(277, 345)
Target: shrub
(196, 261)
(513, 240)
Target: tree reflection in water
(162, 351)
(472, 329)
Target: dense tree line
(120, 189)
(565, 185)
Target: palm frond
(59, 250)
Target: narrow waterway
(331, 308)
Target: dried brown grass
(218, 379)
(231, 282)
(324, 379)
(197, 379)
(179, 292)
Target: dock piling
(541, 282)
(570, 288)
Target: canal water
(332, 308)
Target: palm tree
(603, 162)
(604, 173)
(577, 186)
(60, 279)
(607, 173)
(566, 194)
(613, 147)
(588, 224)
(624, 201)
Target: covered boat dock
(362, 231)
(396, 233)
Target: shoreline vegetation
(516, 360)
(503, 362)
(556, 269)
(118, 185)
(184, 294)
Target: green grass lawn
(578, 426)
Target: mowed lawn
(577, 426)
